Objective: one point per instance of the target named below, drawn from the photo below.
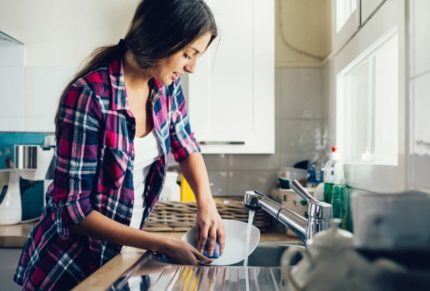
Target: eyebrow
(197, 51)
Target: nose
(189, 69)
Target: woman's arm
(186, 151)
(101, 227)
(208, 220)
(80, 119)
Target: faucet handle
(316, 209)
(299, 189)
(252, 199)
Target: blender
(31, 162)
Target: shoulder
(96, 80)
(84, 96)
(91, 90)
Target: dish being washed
(235, 240)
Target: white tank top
(147, 150)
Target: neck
(134, 75)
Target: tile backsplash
(298, 114)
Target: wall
(57, 36)
(419, 95)
(298, 113)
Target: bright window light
(367, 105)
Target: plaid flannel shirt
(94, 168)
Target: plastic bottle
(315, 168)
(340, 196)
(329, 174)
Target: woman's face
(184, 61)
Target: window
(344, 9)
(367, 104)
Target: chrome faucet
(319, 212)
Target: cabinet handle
(222, 142)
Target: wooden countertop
(14, 236)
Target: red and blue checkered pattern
(94, 168)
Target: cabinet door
(371, 102)
(368, 7)
(231, 95)
(345, 22)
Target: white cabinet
(371, 102)
(368, 7)
(231, 95)
(346, 21)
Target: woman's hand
(181, 252)
(209, 223)
(209, 227)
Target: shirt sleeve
(182, 138)
(77, 154)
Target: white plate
(235, 240)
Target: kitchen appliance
(330, 262)
(22, 198)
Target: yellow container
(187, 194)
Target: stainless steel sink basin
(269, 255)
(264, 272)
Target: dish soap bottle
(340, 196)
(329, 169)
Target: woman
(116, 122)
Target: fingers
(183, 253)
(197, 235)
(221, 238)
(212, 240)
(203, 237)
(201, 259)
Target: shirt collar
(116, 74)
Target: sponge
(216, 253)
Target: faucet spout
(319, 212)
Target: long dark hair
(159, 29)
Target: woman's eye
(187, 57)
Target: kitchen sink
(269, 255)
(264, 272)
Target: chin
(166, 81)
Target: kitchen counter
(14, 236)
(111, 271)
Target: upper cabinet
(345, 22)
(368, 7)
(371, 100)
(348, 17)
(231, 95)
